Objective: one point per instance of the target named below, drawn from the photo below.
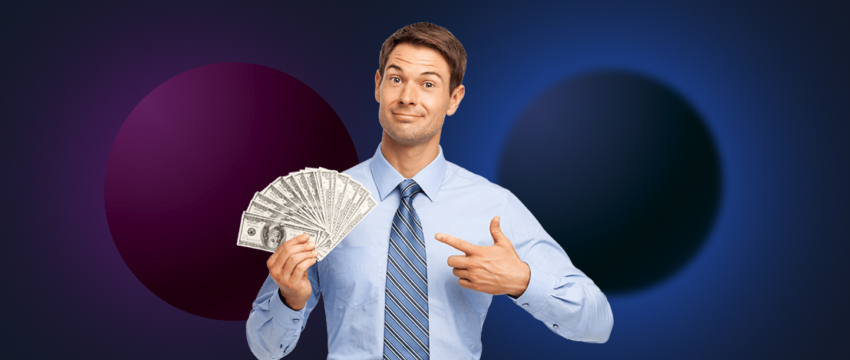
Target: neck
(408, 160)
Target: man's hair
(432, 36)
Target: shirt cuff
(283, 315)
(536, 295)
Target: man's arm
(537, 270)
(285, 300)
(273, 328)
(558, 294)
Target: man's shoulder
(360, 171)
(457, 176)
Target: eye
(394, 78)
(429, 84)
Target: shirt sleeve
(273, 328)
(558, 294)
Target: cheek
(388, 94)
(436, 105)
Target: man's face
(414, 94)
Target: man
(415, 278)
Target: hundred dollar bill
(316, 184)
(327, 180)
(344, 201)
(362, 210)
(358, 192)
(306, 191)
(267, 234)
(291, 199)
(321, 202)
(269, 202)
(259, 208)
(277, 192)
(298, 195)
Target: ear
(378, 86)
(454, 101)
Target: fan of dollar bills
(316, 201)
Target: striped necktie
(406, 311)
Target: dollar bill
(259, 232)
(293, 180)
(314, 193)
(326, 180)
(270, 203)
(362, 210)
(259, 207)
(323, 203)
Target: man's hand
(495, 269)
(288, 268)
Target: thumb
(496, 231)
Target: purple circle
(186, 163)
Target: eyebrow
(424, 73)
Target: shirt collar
(387, 177)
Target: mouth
(405, 115)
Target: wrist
(522, 282)
(294, 305)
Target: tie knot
(409, 188)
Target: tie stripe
(406, 295)
(397, 303)
(409, 264)
(401, 341)
(412, 210)
(407, 280)
(407, 329)
(406, 311)
(407, 242)
(410, 228)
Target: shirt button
(555, 326)
(525, 305)
(295, 321)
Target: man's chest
(354, 273)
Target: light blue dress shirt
(352, 277)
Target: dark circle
(187, 162)
(621, 171)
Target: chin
(407, 137)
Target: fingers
(461, 273)
(298, 240)
(464, 283)
(300, 248)
(300, 271)
(283, 261)
(457, 243)
(459, 261)
(496, 231)
(294, 260)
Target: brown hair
(432, 36)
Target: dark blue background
(771, 81)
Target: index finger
(456, 243)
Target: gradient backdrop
(765, 88)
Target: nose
(409, 95)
